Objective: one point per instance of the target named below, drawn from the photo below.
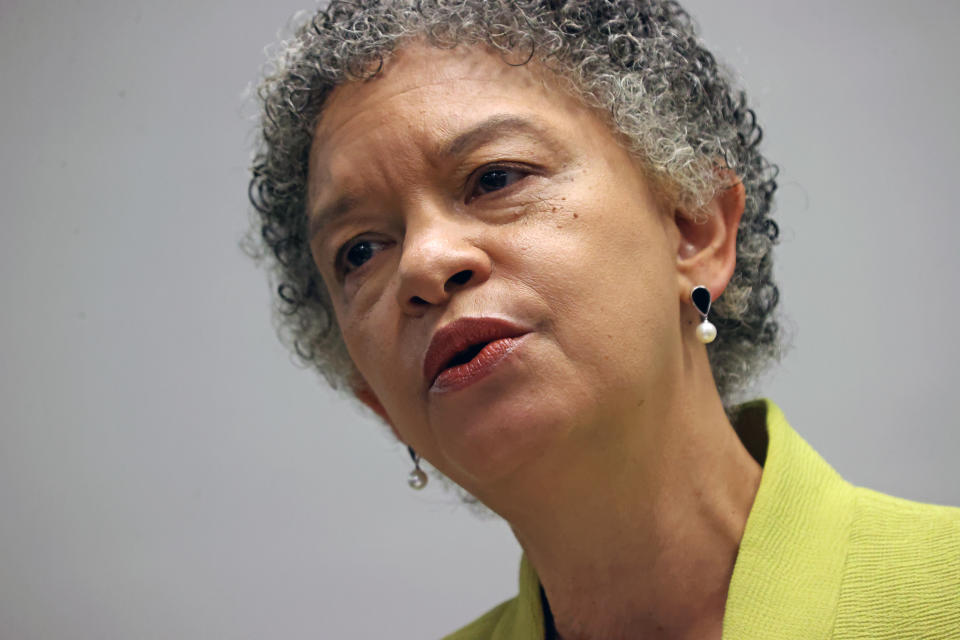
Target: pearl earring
(700, 296)
(417, 478)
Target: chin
(486, 442)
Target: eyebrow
(326, 214)
(494, 127)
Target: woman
(533, 237)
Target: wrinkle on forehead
(487, 67)
(367, 99)
(447, 149)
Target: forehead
(423, 97)
(433, 79)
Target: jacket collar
(786, 578)
(790, 564)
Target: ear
(707, 250)
(365, 394)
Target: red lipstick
(468, 349)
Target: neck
(636, 535)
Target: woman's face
(454, 186)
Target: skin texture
(602, 439)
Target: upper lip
(454, 337)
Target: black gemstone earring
(700, 296)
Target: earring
(700, 296)
(417, 478)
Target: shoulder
(902, 570)
(483, 627)
(893, 532)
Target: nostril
(463, 277)
(417, 301)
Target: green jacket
(819, 558)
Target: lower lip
(481, 366)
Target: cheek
(363, 344)
(358, 310)
(602, 270)
(377, 349)
(596, 247)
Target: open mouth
(467, 349)
(473, 363)
(465, 356)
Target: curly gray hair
(640, 61)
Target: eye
(497, 178)
(356, 253)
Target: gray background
(166, 472)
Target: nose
(438, 259)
